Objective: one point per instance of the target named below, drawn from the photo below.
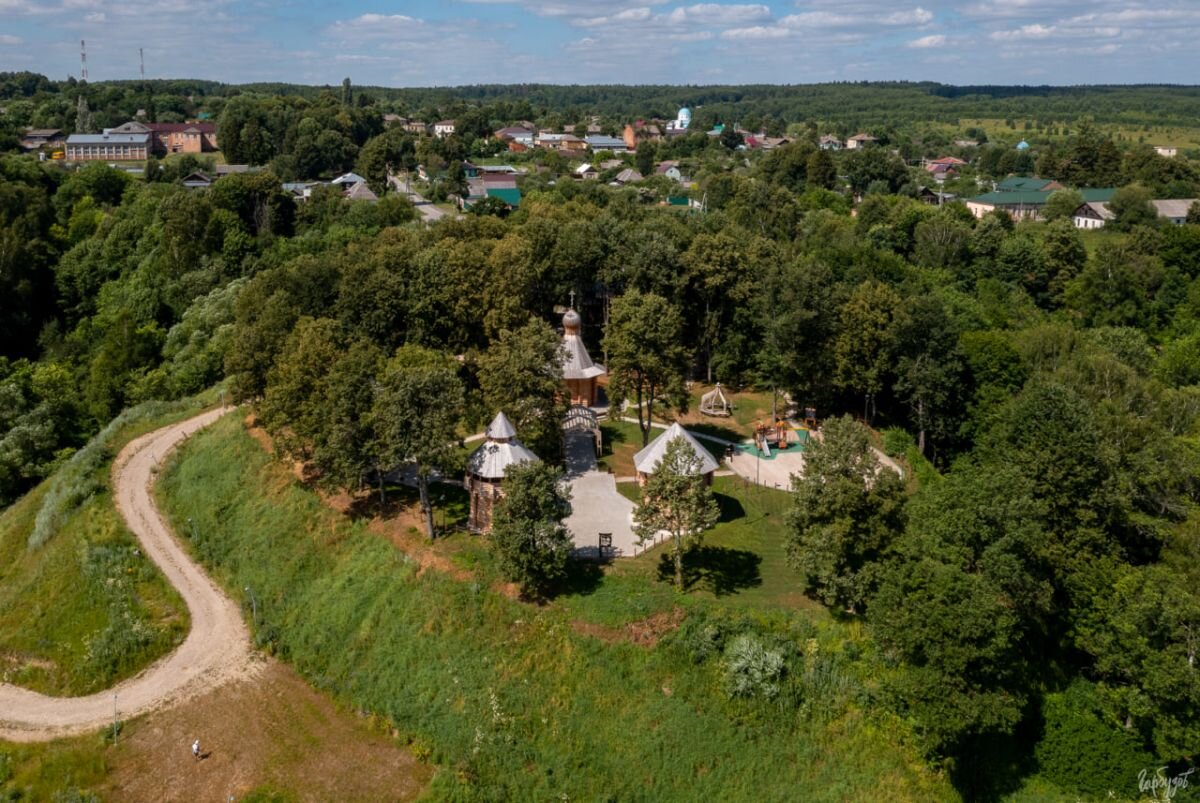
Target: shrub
(897, 442)
(752, 670)
(1079, 751)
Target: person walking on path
(196, 749)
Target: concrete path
(596, 505)
(217, 649)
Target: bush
(752, 670)
(897, 442)
(1080, 752)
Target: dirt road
(216, 651)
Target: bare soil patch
(273, 732)
(642, 633)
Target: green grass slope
(518, 702)
(85, 610)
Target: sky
(430, 43)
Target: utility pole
(83, 75)
(142, 59)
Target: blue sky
(424, 43)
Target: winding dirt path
(217, 649)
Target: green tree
(1062, 204)
(677, 500)
(416, 413)
(846, 510)
(865, 342)
(647, 361)
(531, 545)
(820, 170)
(963, 603)
(1143, 630)
(1131, 207)
(644, 157)
(521, 373)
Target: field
(1182, 137)
(622, 675)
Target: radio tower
(83, 60)
(142, 58)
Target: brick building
(173, 137)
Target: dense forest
(1038, 583)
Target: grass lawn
(742, 560)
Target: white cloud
(842, 19)
(9, 39)
(756, 32)
(936, 40)
(1034, 31)
(718, 14)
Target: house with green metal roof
(510, 195)
(1026, 183)
(1028, 204)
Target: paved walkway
(596, 505)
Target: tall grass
(510, 699)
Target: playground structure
(768, 436)
(715, 403)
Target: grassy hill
(522, 702)
(85, 609)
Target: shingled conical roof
(502, 450)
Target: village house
(443, 129)
(602, 143)
(860, 141)
(626, 176)
(586, 172)
(416, 127)
(1167, 151)
(1095, 215)
(1174, 211)
(197, 181)
(561, 142)
(108, 147)
(830, 143)
(1028, 204)
(669, 169)
(1091, 215)
(37, 138)
(641, 131)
